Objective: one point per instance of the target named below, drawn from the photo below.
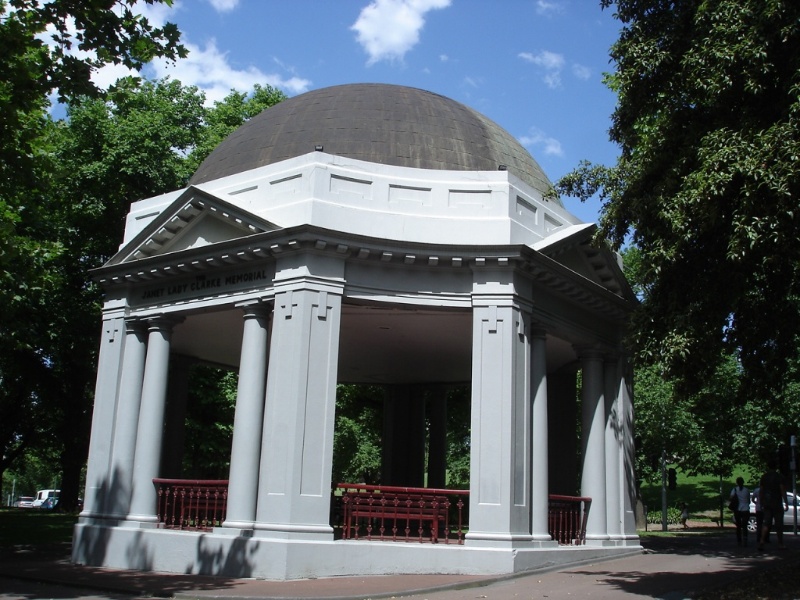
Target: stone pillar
(499, 501)
(403, 462)
(628, 482)
(127, 419)
(248, 420)
(109, 365)
(177, 399)
(539, 455)
(437, 444)
(294, 491)
(150, 433)
(593, 473)
(562, 414)
(613, 449)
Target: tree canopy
(67, 187)
(707, 180)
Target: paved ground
(670, 569)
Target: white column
(127, 419)
(593, 473)
(248, 420)
(613, 449)
(294, 491)
(150, 433)
(105, 404)
(499, 501)
(628, 476)
(539, 433)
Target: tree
(138, 140)
(707, 181)
(83, 36)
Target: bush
(673, 516)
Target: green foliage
(139, 140)
(209, 423)
(673, 516)
(707, 181)
(458, 438)
(357, 434)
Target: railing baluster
(194, 505)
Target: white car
(788, 516)
(24, 502)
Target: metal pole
(793, 467)
(663, 489)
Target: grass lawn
(34, 527)
(701, 493)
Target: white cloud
(536, 138)
(224, 5)
(543, 7)
(208, 68)
(387, 29)
(581, 72)
(551, 62)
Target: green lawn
(31, 526)
(701, 493)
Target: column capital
(589, 351)
(538, 331)
(163, 322)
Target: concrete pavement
(669, 568)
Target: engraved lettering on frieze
(204, 284)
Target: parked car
(49, 503)
(43, 495)
(788, 516)
(24, 502)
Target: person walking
(773, 502)
(742, 512)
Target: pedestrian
(741, 513)
(773, 502)
(684, 515)
(759, 514)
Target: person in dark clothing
(773, 502)
(742, 513)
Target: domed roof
(385, 124)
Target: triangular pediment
(195, 219)
(573, 248)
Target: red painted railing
(194, 505)
(390, 513)
(372, 512)
(568, 516)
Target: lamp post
(793, 467)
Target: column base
(235, 528)
(284, 531)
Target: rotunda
(363, 234)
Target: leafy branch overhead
(707, 181)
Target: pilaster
(127, 419)
(500, 450)
(105, 406)
(297, 443)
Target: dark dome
(386, 124)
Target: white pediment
(572, 247)
(195, 219)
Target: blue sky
(533, 66)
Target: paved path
(669, 568)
